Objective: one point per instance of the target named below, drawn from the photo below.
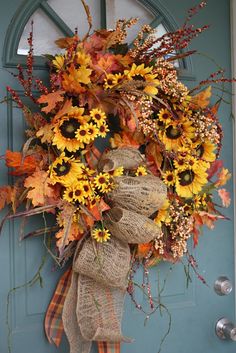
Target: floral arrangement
(161, 167)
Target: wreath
(138, 201)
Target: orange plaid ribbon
(53, 320)
(108, 347)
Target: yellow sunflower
(102, 130)
(117, 172)
(163, 214)
(169, 178)
(102, 182)
(205, 151)
(141, 171)
(98, 116)
(83, 134)
(139, 71)
(68, 194)
(65, 134)
(65, 170)
(79, 193)
(177, 134)
(101, 235)
(78, 113)
(150, 84)
(190, 181)
(110, 81)
(165, 116)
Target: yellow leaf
(5, 195)
(202, 99)
(51, 100)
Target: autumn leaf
(215, 166)
(202, 99)
(5, 195)
(45, 133)
(63, 111)
(143, 249)
(223, 176)
(26, 165)
(96, 210)
(225, 197)
(154, 157)
(209, 219)
(39, 187)
(66, 42)
(92, 157)
(51, 100)
(126, 139)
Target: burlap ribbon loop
(108, 265)
(128, 157)
(131, 227)
(142, 194)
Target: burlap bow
(94, 304)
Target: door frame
(233, 72)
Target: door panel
(193, 311)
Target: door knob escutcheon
(225, 329)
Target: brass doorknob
(225, 329)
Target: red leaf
(215, 166)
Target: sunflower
(190, 181)
(117, 172)
(165, 116)
(110, 81)
(98, 116)
(150, 84)
(205, 151)
(93, 131)
(163, 214)
(65, 170)
(83, 134)
(68, 194)
(65, 134)
(141, 171)
(78, 113)
(177, 134)
(169, 178)
(138, 71)
(79, 193)
(102, 182)
(101, 235)
(102, 130)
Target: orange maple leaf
(143, 249)
(5, 195)
(97, 210)
(51, 99)
(40, 188)
(126, 139)
(202, 99)
(26, 165)
(225, 197)
(223, 176)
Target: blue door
(190, 309)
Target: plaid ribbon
(108, 347)
(53, 320)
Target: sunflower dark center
(173, 132)
(102, 128)
(69, 127)
(97, 116)
(101, 180)
(109, 81)
(101, 234)
(138, 78)
(78, 192)
(82, 132)
(186, 177)
(71, 194)
(170, 177)
(62, 169)
(86, 188)
(165, 116)
(200, 151)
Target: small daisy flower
(101, 235)
(141, 171)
